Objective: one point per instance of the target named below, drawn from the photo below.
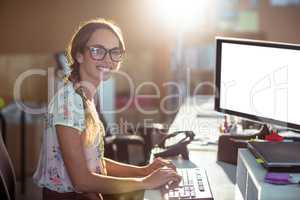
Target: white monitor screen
(260, 80)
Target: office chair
(122, 147)
(153, 134)
(7, 174)
(3, 126)
(119, 146)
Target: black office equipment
(179, 148)
(3, 126)
(258, 80)
(62, 62)
(7, 174)
(277, 156)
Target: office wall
(45, 26)
(33, 28)
(33, 88)
(279, 23)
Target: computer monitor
(258, 80)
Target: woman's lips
(103, 68)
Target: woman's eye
(116, 52)
(97, 51)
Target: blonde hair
(93, 125)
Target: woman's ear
(79, 58)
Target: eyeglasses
(99, 52)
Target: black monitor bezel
(219, 42)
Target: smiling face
(97, 70)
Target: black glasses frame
(107, 51)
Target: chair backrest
(3, 126)
(126, 148)
(7, 174)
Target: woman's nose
(107, 58)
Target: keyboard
(194, 186)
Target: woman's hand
(160, 177)
(158, 163)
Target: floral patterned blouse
(66, 108)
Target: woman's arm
(115, 168)
(71, 144)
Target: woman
(71, 163)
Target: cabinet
(250, 183)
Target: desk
(221, 175)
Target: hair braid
(92, 123)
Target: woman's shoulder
(66, 97)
